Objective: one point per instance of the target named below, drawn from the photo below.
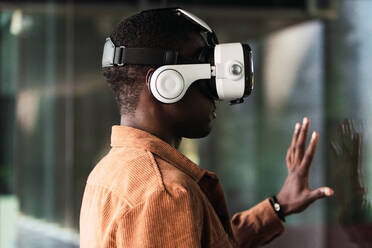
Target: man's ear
(148, 75)
(148, 78)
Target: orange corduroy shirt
(145, 193)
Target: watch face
(277, 207)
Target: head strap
(119, 56)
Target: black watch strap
(277, 208)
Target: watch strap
(277, 208)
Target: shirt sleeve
(256, 226)
(165, 219)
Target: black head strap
(144, 56)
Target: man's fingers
(309, 155)
(295, 135)
(320, 193)
(291, 148)
(300, 143)
(337, 150)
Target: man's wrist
(277, 207)
(283, 204)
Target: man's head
(191, 116)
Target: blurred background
(312, 58)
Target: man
(144, 193)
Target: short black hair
(149, 29)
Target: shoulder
(179, 198)
(136, 175)
(129, 173)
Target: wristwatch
(277, 208)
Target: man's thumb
(321, 193)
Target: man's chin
(199, 133)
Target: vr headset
(224, 71)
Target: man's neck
(156, 129)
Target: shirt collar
(122, 136)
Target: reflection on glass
(352, 210)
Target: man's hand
(347, 178)
(296, 195)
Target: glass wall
(56, 114)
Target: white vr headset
(225, 70)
